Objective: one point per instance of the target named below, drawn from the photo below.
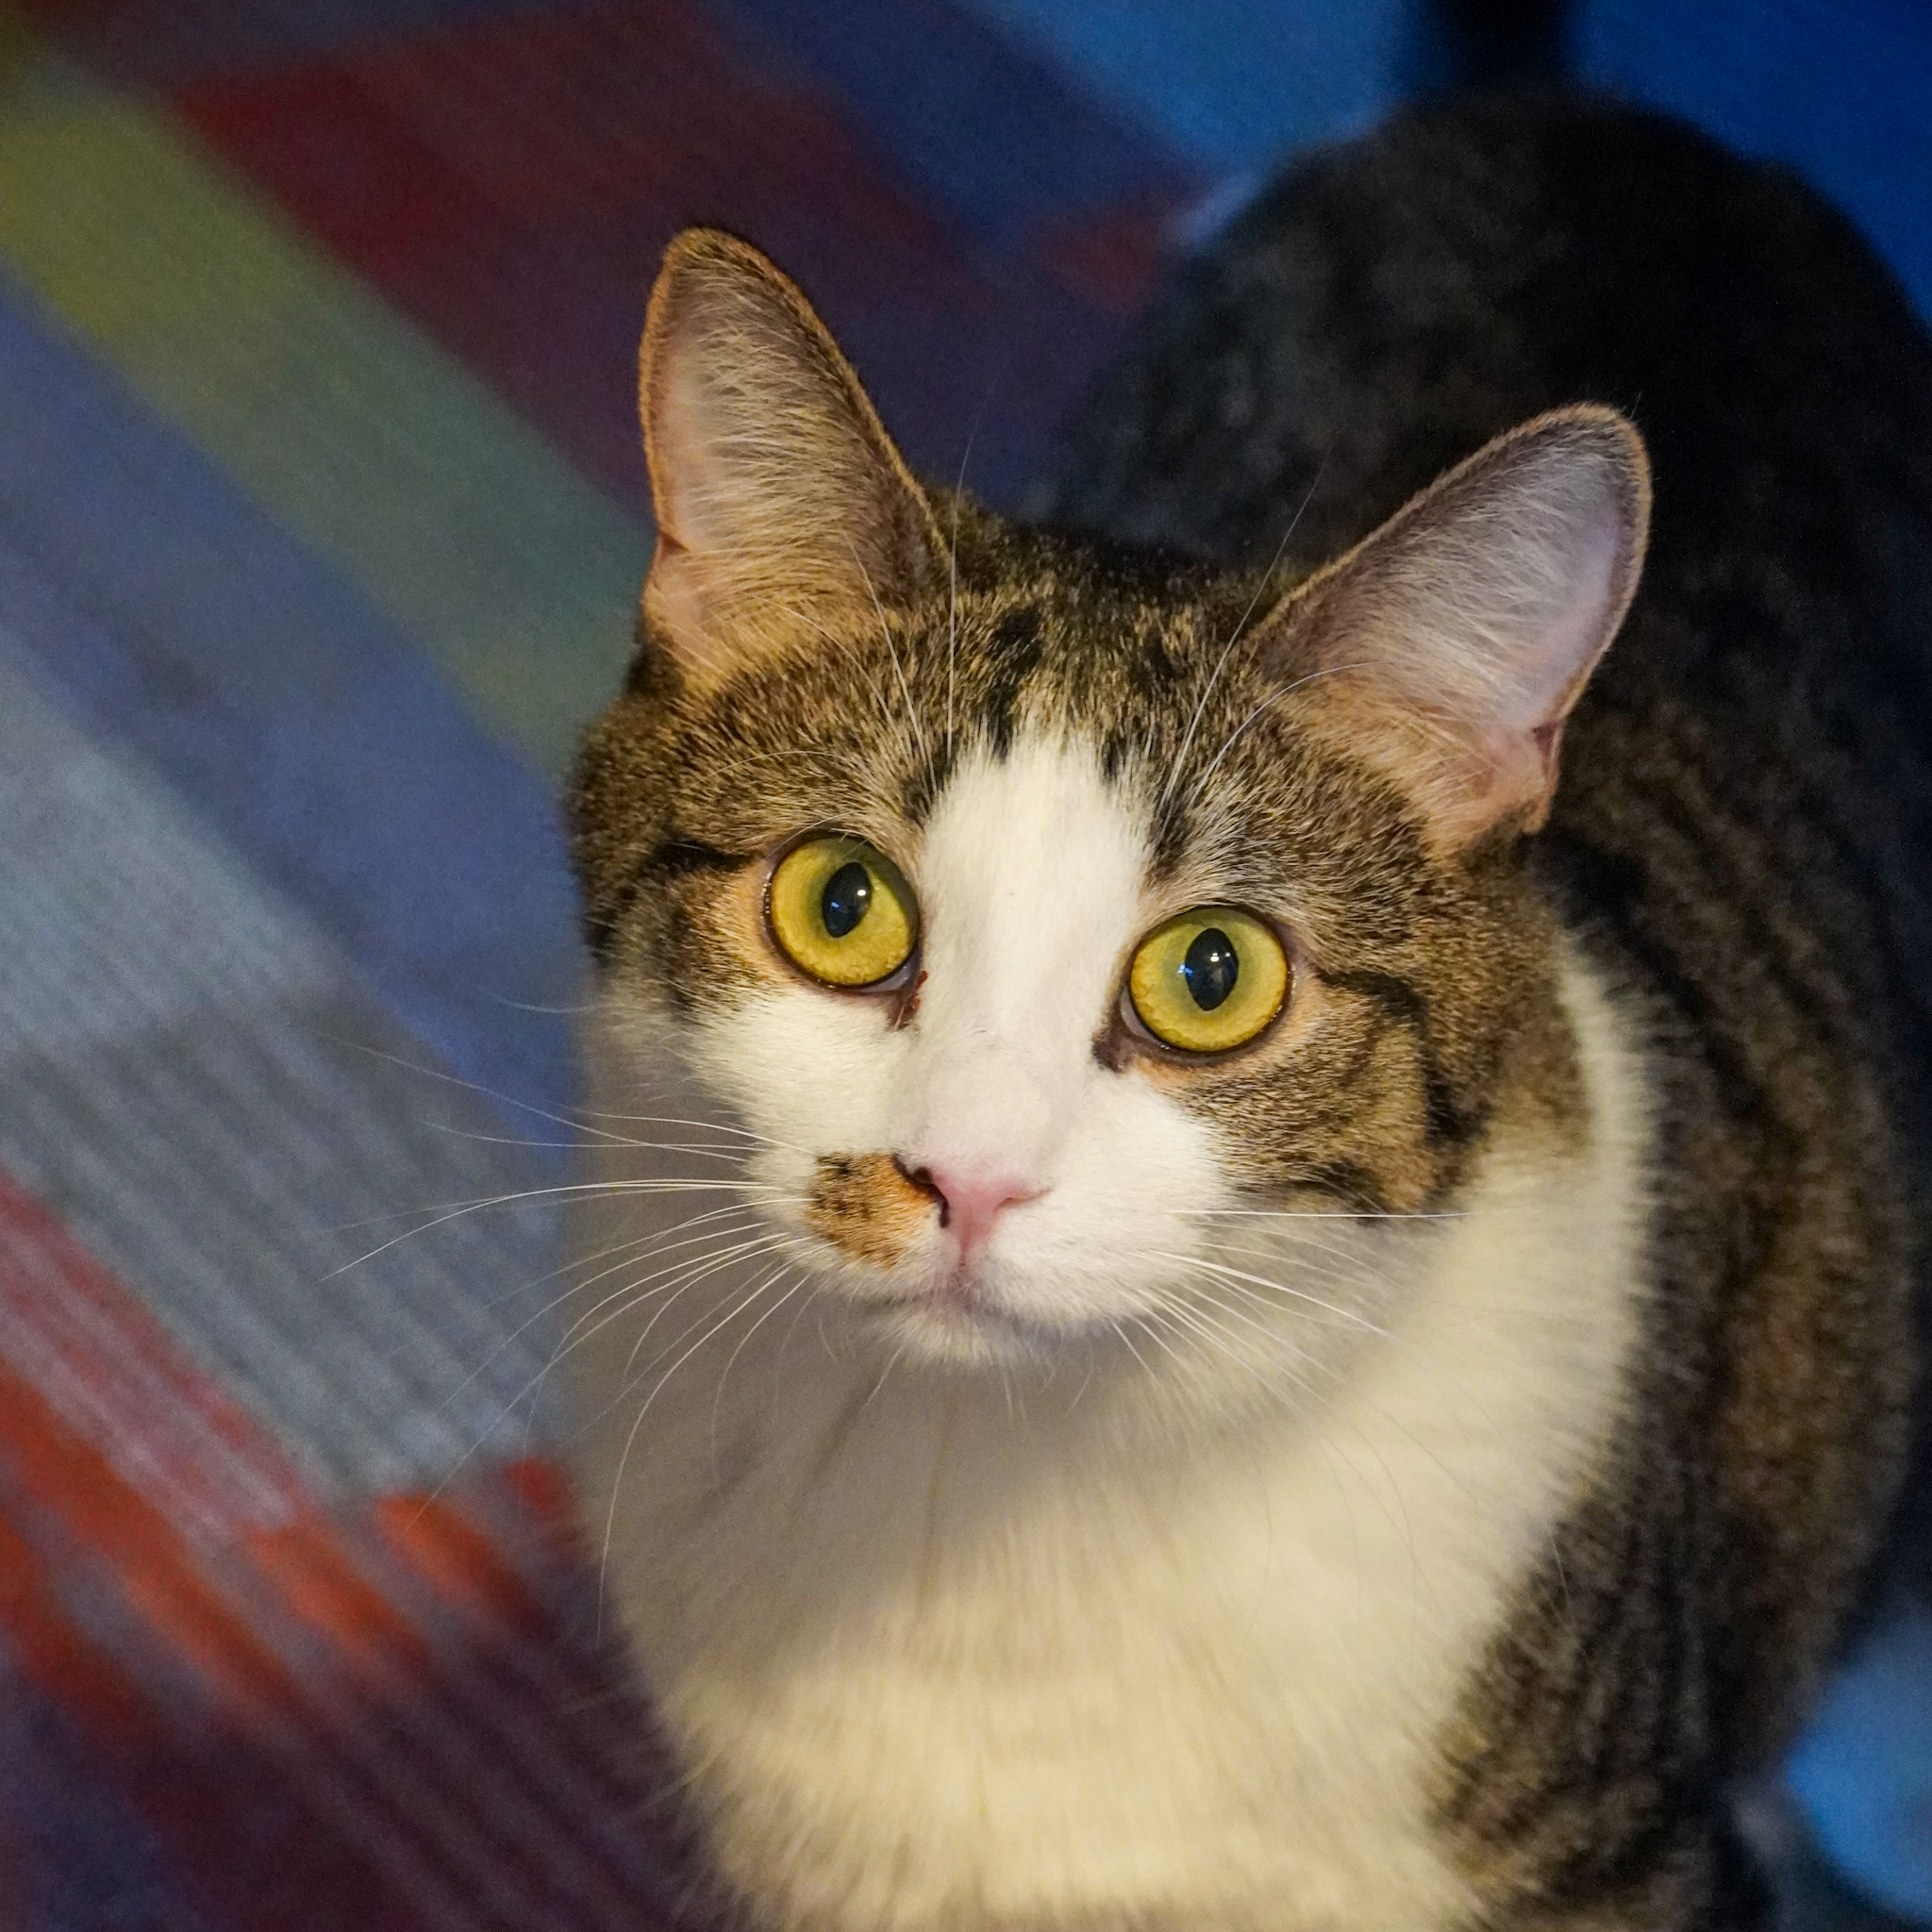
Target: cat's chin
(947, 1331)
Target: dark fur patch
(1014, 652)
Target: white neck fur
(957, 1649)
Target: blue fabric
(965, 114)
(339, 763)
(1843, 92)
(1863, 1772)
(1233, 85)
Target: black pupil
(1210, 968)
(847, 898)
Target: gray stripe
(189, 1076)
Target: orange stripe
(253, 1779)
(463, 1563)
(246, 1838)
(56, 1472)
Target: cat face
(1087, 944)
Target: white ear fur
(1472, 620)
(780, 500)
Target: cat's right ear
(782, 506)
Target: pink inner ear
(1547, 661)
(685, 450)
(781, 503)
(675, 601)
(718, 387)
(1553, 660)
(674, 588)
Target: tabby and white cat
(1306, 1327)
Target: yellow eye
(842, 912)
(1208, 980)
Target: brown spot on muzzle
(866, 1205)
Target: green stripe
(450, 513)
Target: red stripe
(390, 1719)
(248, 1841)
(511, 182)
(115, 1374)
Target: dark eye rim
(1127, 1027)
(895, 982)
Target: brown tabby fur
(864, 1205)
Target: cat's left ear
(1455, 639)
(782, 506)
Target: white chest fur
(943, 1654)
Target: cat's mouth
(958, 1318)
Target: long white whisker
(624, 1249)
(1348, 1315)
(1126, 1341)
(630, 1439)
(626, 1295)
(1152, 1320)
(1235, 637)
(1274, 697)
(1302, 1256)
(1320, 1214)
(745, 1239)
(953, 569)
(633, 1292)
(434, 1208)
(665, 1120)
(606, 1187)
(700, 1271)
(457, 1080)
(731, 1359)
(844, 648)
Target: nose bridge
(999, 997)
(1031, 878)
(981, 1102)
(993, 1081)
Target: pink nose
(970, 1202)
